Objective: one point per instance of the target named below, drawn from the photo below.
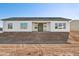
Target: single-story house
(39, 29)
(36, 24)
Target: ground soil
(71, 48)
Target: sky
(39, 10)
(66, 10)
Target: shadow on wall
(34, 38)
(1, 30)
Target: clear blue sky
(39, 10)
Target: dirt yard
(70, 49)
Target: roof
(36, 19)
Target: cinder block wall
(34, 37)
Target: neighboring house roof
(36, 19)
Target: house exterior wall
(74, 25)
(16, 26)
(46, 26)
(51, 26)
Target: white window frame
(23, 25)
(60, 25)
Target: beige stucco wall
(74, 25)
(60, 30)
(35, 24)
(16, 26)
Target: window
(23, 25)
(10, 26)
(36, 27)
(60, 25)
